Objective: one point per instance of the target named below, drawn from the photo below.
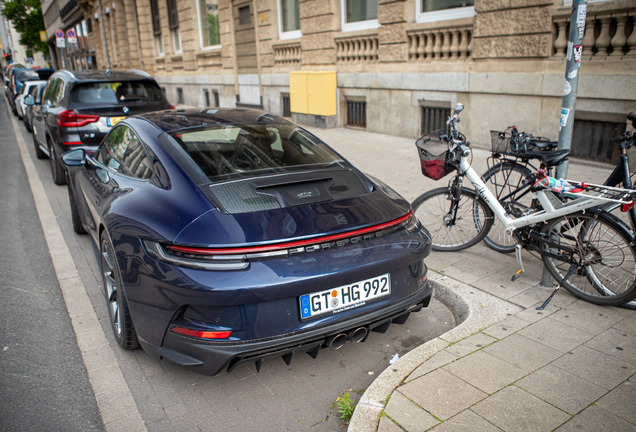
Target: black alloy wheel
(118, 313)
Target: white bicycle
(587, 250)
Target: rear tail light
(68, 118)
(171, 107)
(627, 207)
(201, 334)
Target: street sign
(72, 38)
(43, 35)
(59, 39)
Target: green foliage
(26, 17)
(345, 407)
(213, 29)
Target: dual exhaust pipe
(355, 336)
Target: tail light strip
(291, 245)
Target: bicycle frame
(552, 207)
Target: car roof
(178, 119)
(102, 76)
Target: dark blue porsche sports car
(229, 236)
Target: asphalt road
(279, 398)
(43, 381)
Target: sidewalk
(507, 366)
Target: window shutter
(173, 15)
(156, 19)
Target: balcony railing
(287, 54)
(357, 49)
(609, 34)
(440, 44)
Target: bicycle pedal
(516, 275)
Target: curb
(471, 307)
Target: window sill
(209, 52)
(177, 57)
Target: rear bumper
(210, 358)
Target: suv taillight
(70, 119)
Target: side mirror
(74, 158)
(459, 108)
(29, 101)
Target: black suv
(78, 109)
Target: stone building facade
(401, 64)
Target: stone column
(121, 35)
(392, 40)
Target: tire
(38, 151)
(57, 171)
(604, 247)
(116, 302)
(27, 125)
(474, 219)
(76, 220)
(502, 179)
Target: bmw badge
(126, 110)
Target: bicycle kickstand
(567, 275)
(515, 276)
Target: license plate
(345, 297)
(112, 121)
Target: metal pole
(101, 19)
(572, 69)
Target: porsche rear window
(114, 93)
(26, 75)
(231, 151)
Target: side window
(59, 93)
(136, 163)
(51, 89)
(111, 152)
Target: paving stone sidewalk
(568, 368)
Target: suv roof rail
(139, 72)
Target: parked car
(78, 109)
(7, 79)
(228, 236)
(36, 93)
(17, 78)
(20, 105)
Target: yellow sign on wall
(313, 92)
(43, 35)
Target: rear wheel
(472, 222)
(502, 180)
(59, 177)
(76, 220)
(603, 251)
(27, 124)
(38, 151)
(120, 319)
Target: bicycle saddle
(544, 144)
(551, 158)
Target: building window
(433, 118)
(159, 43)
(357, 113)
(359, 14)
(180, 95)
(216, 98)
(440, 10)
(176, 41)
(286, 105)
(288, 19)
(206, 95)
(244, 15)
(173, 25)
(156, 18)
(209, 19)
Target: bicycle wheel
(602, 248)
(502, 180)
(472, 222)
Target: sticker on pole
(71, 36)
(580, 20)
(60, 42)
(565, 113)
(570, 46)
(578, 52)
(567, 88)
(573, 73)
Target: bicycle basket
(434, 155)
